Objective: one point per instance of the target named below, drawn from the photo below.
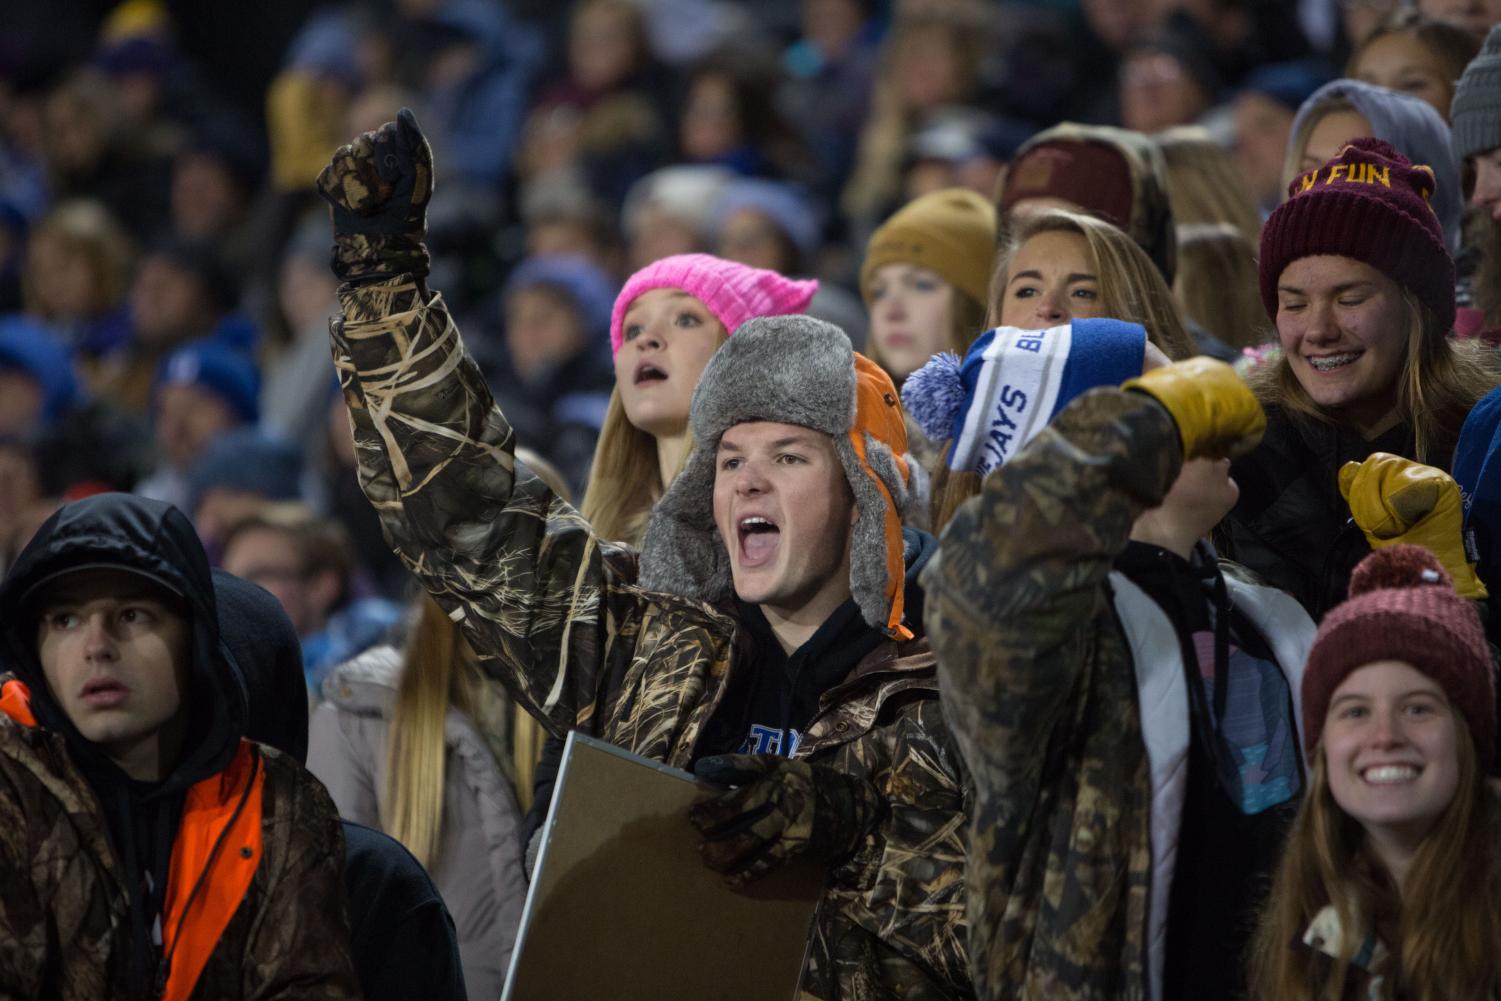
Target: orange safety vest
(214, 857)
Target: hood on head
(268, 658)
(791, 370)
(1413, 129)
(157, 541)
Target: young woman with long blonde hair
(668, 320)
(1055, 267)
(411, 742)
(1388, 882)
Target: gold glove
(1394, 500)
(1216, 413)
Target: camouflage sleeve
(24, 922)
(910, 872)
(299, 945)
(540, 598)
(1012, 594)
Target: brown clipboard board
(621, 908)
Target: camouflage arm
(910, 872)
(517, 566)
(1011, 603)
(24, 923)
(299, 943)
(1020, 568)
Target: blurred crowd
(912, 171)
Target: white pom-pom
(934, 396)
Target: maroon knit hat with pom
(1370, 203)
(1402, 606)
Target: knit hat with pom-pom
(1403, 607)
(1011, 382)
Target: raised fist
(1216, 413)
(1395, 500)
(379, 186)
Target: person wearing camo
(764, 634)
(1125, 703)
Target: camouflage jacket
(1038, 686)
(63, 907)
(555, 616)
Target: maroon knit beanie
(1402, 606)
(1370, 203)
(1090, 174)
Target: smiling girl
(668, 320)
(1357, 278)
(1387, 886)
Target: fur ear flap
(681, 552)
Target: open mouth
(1389, 775)
(103, 692)
(1330, 363)
(759, 538)
(646, 372)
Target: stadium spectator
(1363, 314)
(307, 563)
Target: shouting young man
(760, 635)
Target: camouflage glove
(1216, 413)
(1394, 500)
(778, 809)
(379, 186)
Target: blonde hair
(84, 227)
(625, 479)
(1292, 164)
(1218, 286)
(1203, 185)
(966, 322)
(1131, 287)
(1440, 382)
(1444, 917)
(437, 671)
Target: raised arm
(1016, 604)
(1019, 574)
(540, 599)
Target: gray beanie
(1413, 128)
(1476, 111)
(792, 370)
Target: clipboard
(622, 908)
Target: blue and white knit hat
(1012, 382)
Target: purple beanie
(732, 292)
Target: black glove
(779, 808)
(379, 186)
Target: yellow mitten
(1394, 500)
(1216, 413)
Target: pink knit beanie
(733, 292)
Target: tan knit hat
(951, 232)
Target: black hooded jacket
(402, 938)
(156, 540)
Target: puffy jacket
(478, 866)
(1065, 689)
(555, 615)
(249, 861)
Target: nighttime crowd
(1028, 460)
